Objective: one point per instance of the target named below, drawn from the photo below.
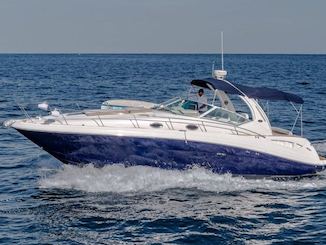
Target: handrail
(205, 124)
(25, 112)
(171, 121)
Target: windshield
(190, 108)
(223, 115)
(184, 107)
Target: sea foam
(120, 179)
(320, 147)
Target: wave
(320, 146)
(120, 179)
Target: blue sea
(44, 202)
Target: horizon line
(149, 53)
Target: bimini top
(252, 92)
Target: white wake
(320, 147)
(119, 179)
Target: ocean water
(44, 202)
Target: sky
(162, 26)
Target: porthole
(49, 121)
(156, 125)
(192, 127)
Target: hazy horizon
(162, 27)
(117, 53)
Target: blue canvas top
(252, 92)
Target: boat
(176, 135)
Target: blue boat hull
(79, 149)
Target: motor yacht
(175, 134)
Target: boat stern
(322, 161)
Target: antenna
(220, 74)
(222, 51)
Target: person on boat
(201, 101)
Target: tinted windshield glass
(223, 115)
(185, 107)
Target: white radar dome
(219, 74)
